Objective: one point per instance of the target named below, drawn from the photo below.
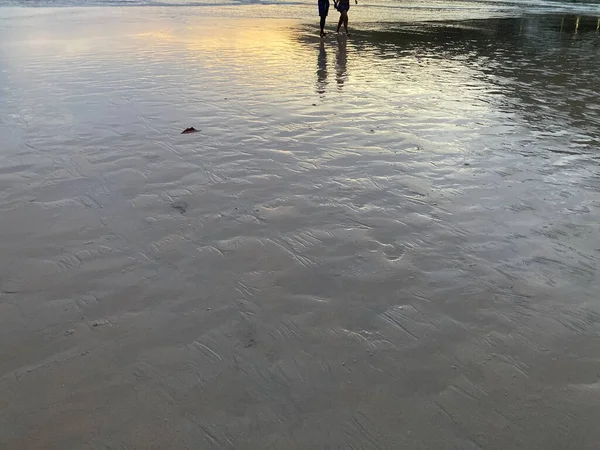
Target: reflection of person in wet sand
(343, 6)
(341, 59)
(321, 69)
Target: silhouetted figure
(343, 6)
(323, 11)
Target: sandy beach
(385, 241)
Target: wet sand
(382, 242)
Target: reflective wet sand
(385, 241)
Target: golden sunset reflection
(263, 49)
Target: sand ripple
(383, 242)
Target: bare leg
(323, 18)
(341, 21)
(346, 22)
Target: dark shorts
(323, 8)
(343, 7)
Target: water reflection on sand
(385, 241)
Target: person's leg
(346, 21)
(323, 10)
(340, 22)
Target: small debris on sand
(189, 130)
(180, 206)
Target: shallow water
(382, 241)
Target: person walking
(343, 6)
(323, 11)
